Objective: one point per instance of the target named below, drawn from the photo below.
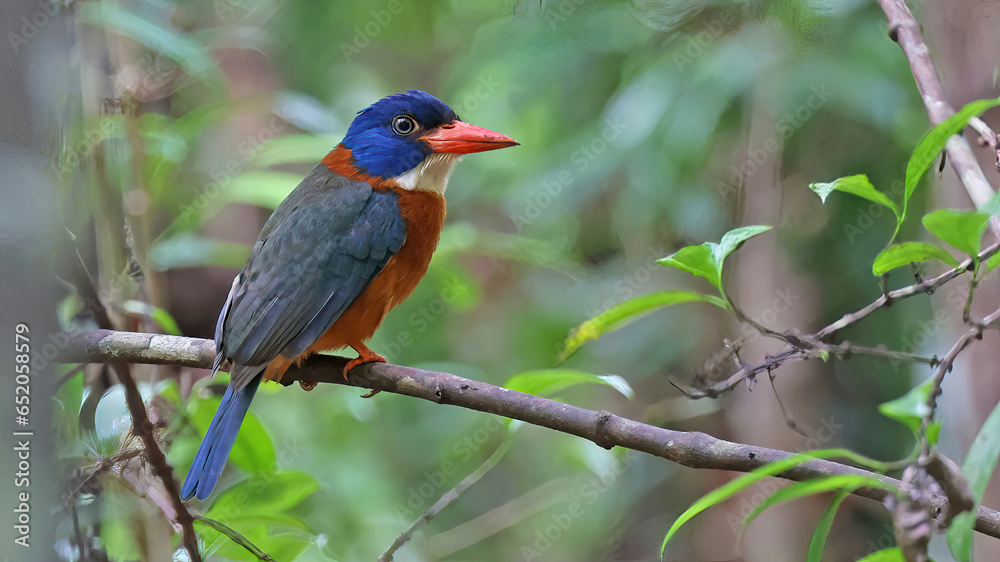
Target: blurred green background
(645, 125)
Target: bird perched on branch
(345, 247)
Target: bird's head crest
(397, 133)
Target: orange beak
(459, 137)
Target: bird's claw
(363, 357)
(308, 385)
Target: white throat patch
(431, 174)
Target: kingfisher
(346, 246)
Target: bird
(348, 244)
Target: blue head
(395, 134)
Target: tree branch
(904, 30)
(927, 286)
(691, 449)
(141, 424)
(974, 333)
(142, 427)
(447, 498)
(801, 348)
(987, 137)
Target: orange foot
(308, 385)
(365, 355)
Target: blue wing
(319, 250)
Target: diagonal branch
(143, 427)
(141, 424)
(974, 333)
(927, 286)
(801, 348)
(691, 449)
(904, 30)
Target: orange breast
(424, 213)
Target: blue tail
(218, 441)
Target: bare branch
(974, 333)
(141, 425)
(987, 137)
(904, 30)
(691, 449)
(447, 499)
(927, 286)
(144, 429)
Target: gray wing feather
(319, 250)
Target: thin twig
(795, 352)
(236, 537)
(927, 286)
(799, 348)
(903, 29)
(691, 449)
(967, 309)
(974, 333)
(845, 349)
(987, 137)
(144, 428)
(447, 498)
(140, 420)
(747, 372)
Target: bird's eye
(403, 125)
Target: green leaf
(190, 250)
(910, 408)
(993, 262)
(962, 229)
(734, 239)
(979, 465)
(823, 527)
(66, 409)
(933, 431)
(264, 189)
(696, 260)
(737, 485)
(855, 185)
(464, 237)
(235, 536)
(706, 260)
(991, 206)
(960, 535)
(119, 524)
(893, 554)
(291, 149)
(899, 255)
(253, 450)
(193, 124)
(933, 143)
(280, 545)
(797, 490)
(545, 382)
(155, 313)
(263, 495)
(624, 313)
